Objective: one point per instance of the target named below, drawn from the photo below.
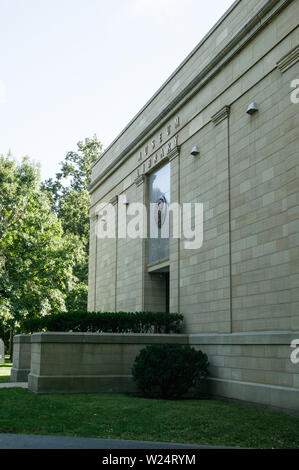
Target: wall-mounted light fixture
(103, 219)
(252, 108)
(125, 200)
(195, 151)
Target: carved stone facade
(244, 280)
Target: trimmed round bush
(168, 370)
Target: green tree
(36, 260)
(44, 237)
(70, 200)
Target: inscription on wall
(157, 144)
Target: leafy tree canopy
(44, 233)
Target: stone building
(221, 132)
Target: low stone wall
(252, 367)
(88, 362)
(21, 358)
(2, 351)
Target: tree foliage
(70, 200)
(44, 233)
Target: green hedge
(119, 322)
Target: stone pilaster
(221, 121)
(175, 244)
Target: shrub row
(98, 322)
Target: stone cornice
(221, 115)
(113, 200)
(108, 338)
(238, 41)
(173, 153)
(139, 180)
(288, 60)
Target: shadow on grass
(200, 396)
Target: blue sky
(73, 68)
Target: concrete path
(14, 384)
(24, 441)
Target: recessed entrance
(160, 289)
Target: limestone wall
(249, 367)
(254, 367)
(87, 362)
(245, 276)
(21, 358)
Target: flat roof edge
(181, 65)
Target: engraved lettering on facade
(159, 140)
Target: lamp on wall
(103, 219)
(252, 108)
(195, 151)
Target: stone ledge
(288, 60)
(81, 383)
(254, 338)
(221, 115)
(108, 338)
(22, 339)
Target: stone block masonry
(255, 367)
(88, 362)
(21, 358)
(244, 279)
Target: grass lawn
(119, 416)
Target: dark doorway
(159, 295)
(167, 292)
